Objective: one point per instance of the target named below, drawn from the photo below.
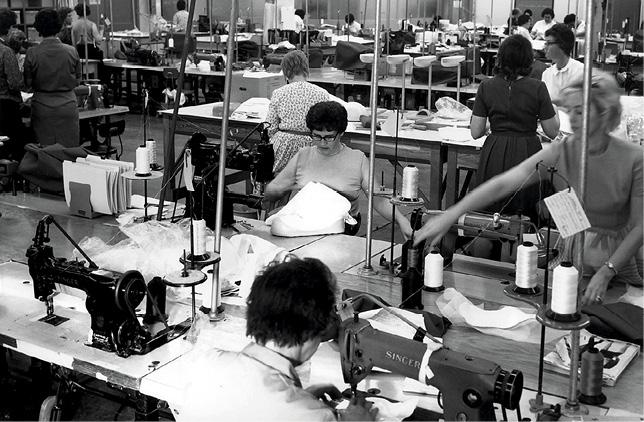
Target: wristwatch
(611, 267)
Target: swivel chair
(108, 130)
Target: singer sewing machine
(89, 96)
(490, 226)
(258, 161)
(469, 386)
(112, 298)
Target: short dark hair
(291, 303)
(548, 11)
(300, 12)
(515, 12)
(528, 12)
(7, 20)
(63, 12)
(181, 4)
(47, 22)
(79, 10)
(523, 19)
(571, 18)
(515, 57)
(349, 18)
(564, 37)
(327, 115)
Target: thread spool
(199, 230)
(151, 145)
(142, 167)
(409, 189)
(433, 277)
(592, 372)
(563, 306)
(526, 269)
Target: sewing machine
(112, 298)
(89, 96)
(258, 161)
(469, 386)
(490, 226)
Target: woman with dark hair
(513, 103)
(540, 27)
(52, 70)
(65, 15)
(329, 161)
(513, 22)
(352, 27)
(288, 107)
(10, 84)
(85, 34)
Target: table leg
(128, 85)
(168, 164)
(451, 188)
(436, 177)
(193, 304)
(145, 200)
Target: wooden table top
(102, 112)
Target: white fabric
(557, 80)
(523, 31)
(540, 27)
(507, 322)
(315, 209)
(354, 109)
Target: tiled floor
(19, 400)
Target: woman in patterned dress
(288, 108)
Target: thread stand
(198, 262)
(563, 322)
(131, 175)
(407, 202)
(524, 294)
(186, 278)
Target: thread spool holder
(186, 278)
(131, 175)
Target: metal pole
(168, 167)
(134, 14)
(306, 25)
(367, 269)
(210, 38)
(215, 298)
(571, 402)
(86, 70)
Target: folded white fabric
(315, 209)
(507, 322)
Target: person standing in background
(180, 18)
(523, 25)
(564, 70)
(529, 13)
(52, 71)
(66, 15)
(539, 29)
(299, 20)
(512, 22)
(578, 26)
(352, 27)
(10, 85)
(85, 32)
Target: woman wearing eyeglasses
(332, 163)
(288, 107)
(614, 189)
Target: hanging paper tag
(567, 213)
(188, 170)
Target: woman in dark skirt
(513, 103)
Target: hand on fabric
(596, 290)
(359, 409)
(434, 229)
(325, 392)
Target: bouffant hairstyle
(515, 57)
(605, 95)
(295, 63)
(327, 115)
(291, 303)
(7, 20)
(47, 22)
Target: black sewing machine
(112, 298)
(469, 386)
(257, 160)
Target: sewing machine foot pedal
(53, 319)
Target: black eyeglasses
(327, 138)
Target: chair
(108, 130)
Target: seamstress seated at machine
(332, 163)
(613, 201)
(565, 70)
(290, 309)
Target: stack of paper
(109, 192)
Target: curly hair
(291, 303)
(327, 115)
(605, 95)
(548, 11)
(181, 5)
(7, 20)
(63, 12)
(79, 10)
(295, 63)
(564, 37)
(47, 22)
(515, 57)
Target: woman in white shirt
(539, 29)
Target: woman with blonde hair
(288, 108)
(613, 200)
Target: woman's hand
(325, 392)
(596, 289)
(434, 229)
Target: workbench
(158, 375)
